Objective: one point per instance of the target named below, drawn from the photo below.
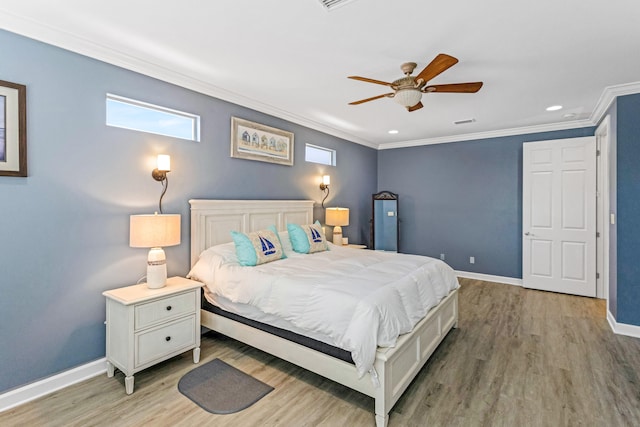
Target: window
(137, 115)
(315, 154)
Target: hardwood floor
(518, 358)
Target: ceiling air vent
(332, 4)
(465, 121)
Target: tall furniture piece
(384, 225)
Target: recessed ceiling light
(393, 131)
(554, 108)
(569, 115)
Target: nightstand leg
(196, 355)
(110, 369)
(128, 384)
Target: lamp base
(337, 235)
(156, 269)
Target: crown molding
(489, 134)
(65, 40)
(609, 94)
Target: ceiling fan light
(408, 97)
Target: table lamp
(337, 217)
(155, 232)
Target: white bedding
(359, 299)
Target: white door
(559, 216)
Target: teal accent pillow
(245, 252)
(298, 238)
(258, 247)
(307, 239)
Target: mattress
(268, 324)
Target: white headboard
(213, 220)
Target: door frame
(603, 145)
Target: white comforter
(360, 298)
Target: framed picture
(254, 141)
(13, 129)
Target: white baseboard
(48, 385)
(490, 278)
(622, 328)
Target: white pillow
(286, 243)
(212, 259)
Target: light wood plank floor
(518, 358)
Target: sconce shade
(154, 231)
(326, 179)
(163, 163)
(337, 216)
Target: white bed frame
(211, 222)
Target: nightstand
(354, 246)
(146, 326)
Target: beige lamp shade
(154, 231)
(337, 216)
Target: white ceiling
(290, 58)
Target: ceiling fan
(408, 90)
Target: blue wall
(65, 228)
(463, 199)
(628, 207)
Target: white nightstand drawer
(164, 309)
(160, 342)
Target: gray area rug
(222, 389)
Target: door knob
(528, 234)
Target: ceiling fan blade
(440, 63)
(455, 87)
(365, 79)
(415, 107)
(371, 99)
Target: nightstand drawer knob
(168, 339)
(168, 308)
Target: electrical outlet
(442, 257)
(472, 260)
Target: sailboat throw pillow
(258, 247)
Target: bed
(393, 368)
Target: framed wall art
(13, 129)
(254, 141)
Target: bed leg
(382, 420)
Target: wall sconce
(163, 165)
(324, 186)
(337, 217)
(154, 232)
